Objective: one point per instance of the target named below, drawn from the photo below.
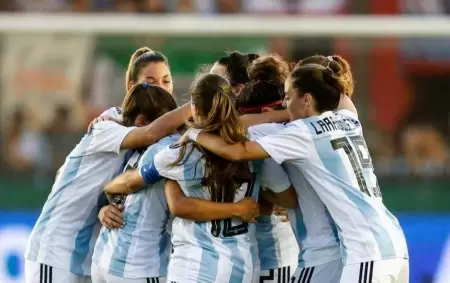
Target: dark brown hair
(139, 60)
(322, 83)
(267, 76)
(211, 94)
(236, 64)
(148, 100)
(338, 65)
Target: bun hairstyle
(338, 65)
(321, 82)
(236, 64)
(266, 87)
(139, 60)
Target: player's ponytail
(211, 94)
(139, 60)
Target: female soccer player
(148, 66)
(327, 149)
(277, 246)
(60, 245)
(234, 67)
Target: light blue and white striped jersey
(277, 245)
(329, 151)
(140, 249)
(66, 231)
(213, 251)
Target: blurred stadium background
(63, 62)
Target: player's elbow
(109, 188)
(235, 155)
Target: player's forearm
(346, 103)
(218, 146)
(127, 183)
(266, 117)
(169, 122)
(265, 206)
(161, 127)
(277, 199)
(202, 210)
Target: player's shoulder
(186, 161)
(113, 112)
(298, 127)
(191, 153)
(106, 125)
(262, 130)
(352, 116)
(329, 123)
(105, 130)
(162, 145)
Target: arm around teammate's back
(108, 136)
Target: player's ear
(141, 121)
(308, 99)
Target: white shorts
(36, 272)
(383, 271)
(278, 275)
(325, 273)
(101, 276)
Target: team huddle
(264, 176)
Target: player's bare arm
(266, 208)
(346, 103)
(203, 210)
(161, 127)
(286, 198)
(234, 152)
(126, 183)
(276, 116)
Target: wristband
(193, 134)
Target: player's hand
(247, 210)
(281, 211)
(101, 119)
(111, 216)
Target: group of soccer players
(199, 193)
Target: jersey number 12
(229, 230)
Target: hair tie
(330, 59)
(145, 84)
